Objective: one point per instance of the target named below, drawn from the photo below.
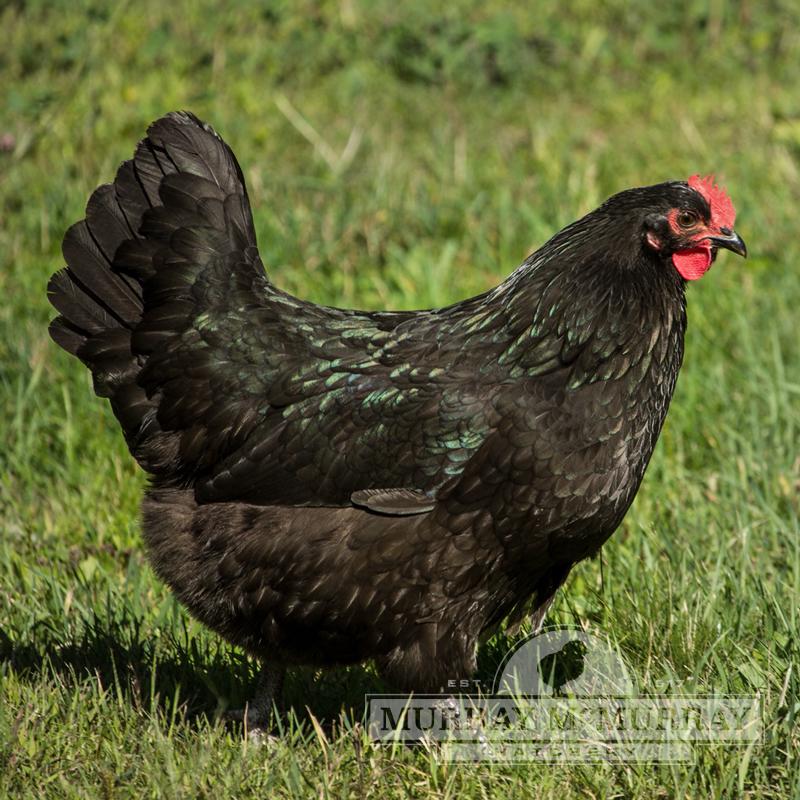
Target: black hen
(330, 486)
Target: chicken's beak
(730, 240)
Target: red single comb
(723, 214)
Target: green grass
(474, 133)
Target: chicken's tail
(122, 269)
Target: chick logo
(564, 662)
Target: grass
(400, 156)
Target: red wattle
(692, 264)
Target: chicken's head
(693, 230)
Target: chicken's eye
(687, 219)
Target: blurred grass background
(400, 155)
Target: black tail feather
(110, 257)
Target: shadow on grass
(164, 675)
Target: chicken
(330, 486)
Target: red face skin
(693, 262)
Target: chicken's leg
(257, 712)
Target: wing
(281, 402)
